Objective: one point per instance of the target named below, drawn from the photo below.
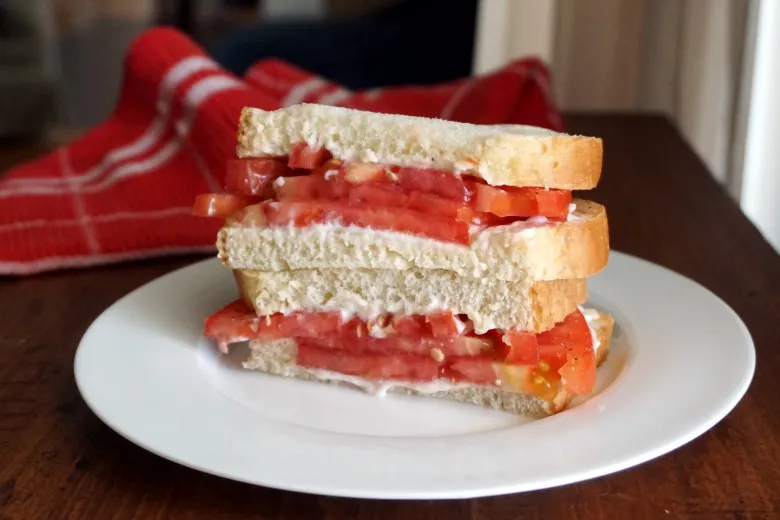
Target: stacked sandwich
(416, 256)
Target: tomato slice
(565, 354)
(304, 156)
(220, 205)
(553, 204)
(477, 371)
(534, 363)
(435, 348)
(377, 195)
(301, 188)
(523, 348)
(233, 323)
(568, 350)
(521, 202)
(417, 223)
(410, 326)
(515, 378)
(444, 324)
(253, 176)
(440, 183)
(428, 191)
(428, 180)
(412, 334)
(404, 367)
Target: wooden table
(57, 460)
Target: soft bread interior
(278, 357)
(511, 155)
(490, 303)
(577, 248)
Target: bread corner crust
(245, 132)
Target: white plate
(681, 360)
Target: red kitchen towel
(125, 189)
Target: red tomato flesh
(523, 348)
(444, 324)
(424, 346)
(253, 176)
(522, 202)
(541, 363)
(233, 323)
(568, 350)
(404, 367)
(302, 214)
(380, 192)
(417, 334)
(220, 205)
(305, 157)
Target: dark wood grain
(57, 460)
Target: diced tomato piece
(430, 203)
(305, 325)
(388, 196)
(503, 203)
(478, 371)
(521, 202)
(410, 326)
(467, 346)
(357, 173)
(233, 323)
(405, 367)
(428, 180)
(308, 158)
(252, 216)
(579, 374)
(304, 187)
(302, 214)
(515, 378)
(443, 324)
(568, 350)
(220, 205)
(523, 348)
(553, 204)
(377, 195)
(238, 322)
(252, 176)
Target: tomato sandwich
(399, 254)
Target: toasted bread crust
(278, 357)
(510, 155)
(577, 248)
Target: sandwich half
(402, 254)
(533, 368)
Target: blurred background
(710, 66)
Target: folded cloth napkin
(125, 189)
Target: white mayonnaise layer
(592, 317)
(380, 388)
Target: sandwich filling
(435, 349)
(310, 187)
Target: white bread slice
(512, 155)
(278, 357)
(490, 303)
(577, 248)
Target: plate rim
(725, 408)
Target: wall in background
(680, 57)
(689, 59)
